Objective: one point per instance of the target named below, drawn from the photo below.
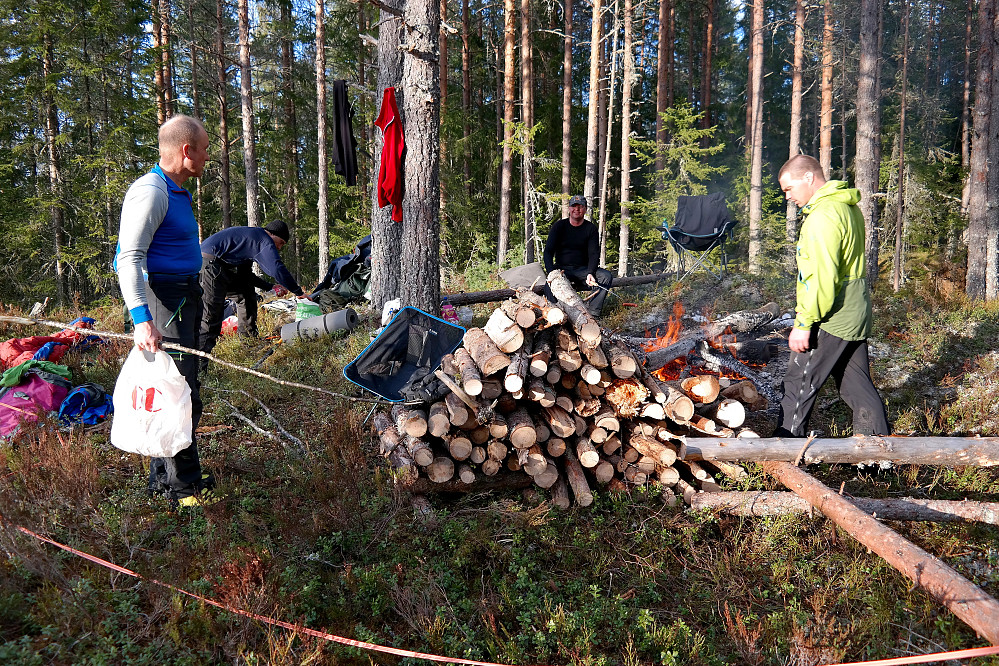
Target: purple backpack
(39, 393)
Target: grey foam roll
(313, 327)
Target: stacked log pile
(542, 392)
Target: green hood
(837, 191)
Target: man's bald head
(799, 165)
(180, 130)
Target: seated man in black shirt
(574, 247)
(228, 270)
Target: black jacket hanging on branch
(344, 145)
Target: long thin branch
(264, 407)
(170, 345)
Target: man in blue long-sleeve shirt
(573, 246)
(228, 270)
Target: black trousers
(175, 303)
(220, 280)
(846, 361)
(577, 276)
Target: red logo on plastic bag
(144, 399)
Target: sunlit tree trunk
(166, 59)
(246, 101)
(978, 198)
(527, 116)
(466, 96)
(664, 82)
(442, 76)
(509, 87)
(992, 185)
(196, 105)
(592, 131)
(825, 113)
(420, 257)
(627, 82)
(321, 140)
(794, 147)
(966, 108)
(158, 83)
(222, 88)
(291, 133)
(566, 107)
(607, 142)
(709, 33)
(756, 163)
(868, 160)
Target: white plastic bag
(152, 406)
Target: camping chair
(700, 229)
(408, 349)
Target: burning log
(965, 599)
(719, 361)
(772, 503)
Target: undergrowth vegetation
(310, 529)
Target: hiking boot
(204, 498)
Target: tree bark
(978, 194)
(506, 167)
(992, 238)
(706, 73)
(466, 96)
(321, 147)
(222, 83)
(527, 117)
(158, 47)
(966, 93)
(794, 147)
(421, 205)
(965, 599)
(756, 168)
(664, 83)
(607, 113)
(566, 107)
(900, 199)
(386, 235)
(55, 169)
(825, 112)
(291, 134)
(592, 147)
(868, 159)
(246, 101)
(166, 60)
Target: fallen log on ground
(470, 297)
(423, 486)
(965, 599)
(777, 503)
(857, 450)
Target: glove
(279, 290)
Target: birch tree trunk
(506, 167)
(868, 160)
(222, 88)
(627, 82)
(566, 107)
(592, 147)
(825, 112)
(756, 168)
(420, 255)
(386, 235)
(246, 101)
(55, 170)
(321, 150)
(794, 147)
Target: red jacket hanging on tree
(390, 176)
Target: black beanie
(279, 229)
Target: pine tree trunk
(709, 33)
(868, 160)
(466, 97)
(386, 235)
(527, 116)
(291, 134)
(900, 201)
(246, 102)
(196, 104)
(629, 77)
(825, 113)
(663, 82)
(794, 147)
(321, 148)
(442, 77)
(592, 147)
(606, 141)
(222, 89)
(166, 60)
(756, 164)
(421, 213)
(566, 108)
(161, 114)
(966, 97)
(55, 171)
(506, 167)
(992, 239)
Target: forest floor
(317, 535)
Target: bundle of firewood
(542, 390)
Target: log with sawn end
(487, 356)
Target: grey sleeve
(142, 212)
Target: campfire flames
(680, 367)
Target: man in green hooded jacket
(833, 312)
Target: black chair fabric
(700, 221)
(409, 348)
